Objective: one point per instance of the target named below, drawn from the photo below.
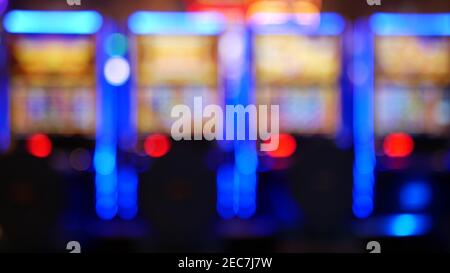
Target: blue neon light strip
(330, 24)
(237, 181)
(363, 127)
(200, 23)
(4, 119)
(245, 154)
(105, 155)
(52, 22)
(4, 102)
(389, 24)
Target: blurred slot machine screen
(412, 85)
(52, 85)
(172, 70)
(300, 74)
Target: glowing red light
(398, 145)
(157, 145)
(39, 145)
(286, 146)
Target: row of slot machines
(86, 121)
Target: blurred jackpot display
(301, 74)
(52, 85)
(411, 86)
(52, 66)
(402, 121)
(173, 69)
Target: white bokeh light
(116, 71)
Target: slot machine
(175, 59)
(298, 62)
(53, 117)
(402, 81)
(236, 179)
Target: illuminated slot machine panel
(301, 74)
(298, 65)
(52, 85)
(172, 70)
(175, 59)
(402, 123)
(411, 87)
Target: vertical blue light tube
(106, 140)
(363, 127)
(237, 181)
(245, 156)
(4, 99)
